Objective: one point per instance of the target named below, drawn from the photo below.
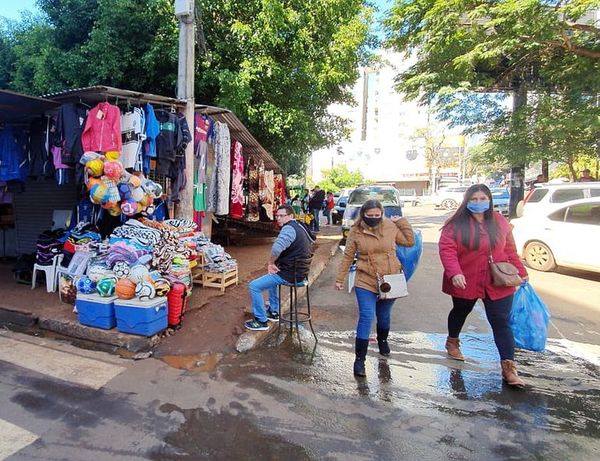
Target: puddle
(198, 363)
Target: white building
(384, 143)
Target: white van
(546, 197)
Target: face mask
(371, 222)
(478, 207)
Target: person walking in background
(372, 240)
(473, 233)
(315, 205)
(293, 242)
(586, 176)
(329, 206)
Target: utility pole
(517, 172)
(184, 10)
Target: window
(558, 215)
(564, 195)
(585, 213)
(594, 192)
(537, 195)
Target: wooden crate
(220, 280)
(198, 271)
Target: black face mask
(371, 222)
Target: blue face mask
(478, 207)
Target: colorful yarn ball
(121, 269)
(114, 170)
(145, 291)
(106, 286)
(95, 167)
(125, 289)
(86, 285)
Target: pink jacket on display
(102, 130)
(474, 265)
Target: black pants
(497, 312)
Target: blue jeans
(316, 212)
(256, 287)
(369, 307)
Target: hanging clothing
(218, 200)
(102, 132)
(236, 209)
(70, 124)
(132, 136)
(40, 163)
(168, 140)
(152, 130)
(280, 198)
(253, 200)
(13, 158)
(268, 200)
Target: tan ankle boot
(510, 375)
(453, 349)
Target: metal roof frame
(21, 108)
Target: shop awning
(240, 133)
(20, 108)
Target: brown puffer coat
(380, 244)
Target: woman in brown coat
(373, 239)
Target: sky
(12, 8)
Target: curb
(251, 339)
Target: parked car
(409, 196)
(387, 195)
(449, 197)
(564, 236)
(501, 199)
(546, 197)
(338, 211)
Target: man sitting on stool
(293, 242)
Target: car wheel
(449, 204)
(539, 257)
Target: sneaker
(272, 316)
(256, 325)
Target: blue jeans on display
(256, 287)
(316, 212)
(497, 312)
(369, 307)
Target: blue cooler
(144, 318)
(96, 311)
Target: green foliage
(470, 54)
(339, 177)
(278, 64)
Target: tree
(468, 49)
(278, 64)
(339, 177)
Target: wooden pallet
(220, 280)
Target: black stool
(295, 316)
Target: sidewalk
(213, 323)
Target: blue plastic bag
(410, 256)
(529, 319)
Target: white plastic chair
(49, 271)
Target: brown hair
(368, 205)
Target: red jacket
(474, 265)
(102, 130)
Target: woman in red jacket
(468, 237)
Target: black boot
(382, 335)
(360, 348)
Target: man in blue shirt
(293, 242)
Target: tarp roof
(94, 94)
(20, 108)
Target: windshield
(387, 197)
(500, 193)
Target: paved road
(282, 401)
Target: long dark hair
(461, 219)
(368, 205)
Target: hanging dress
(236, 209)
